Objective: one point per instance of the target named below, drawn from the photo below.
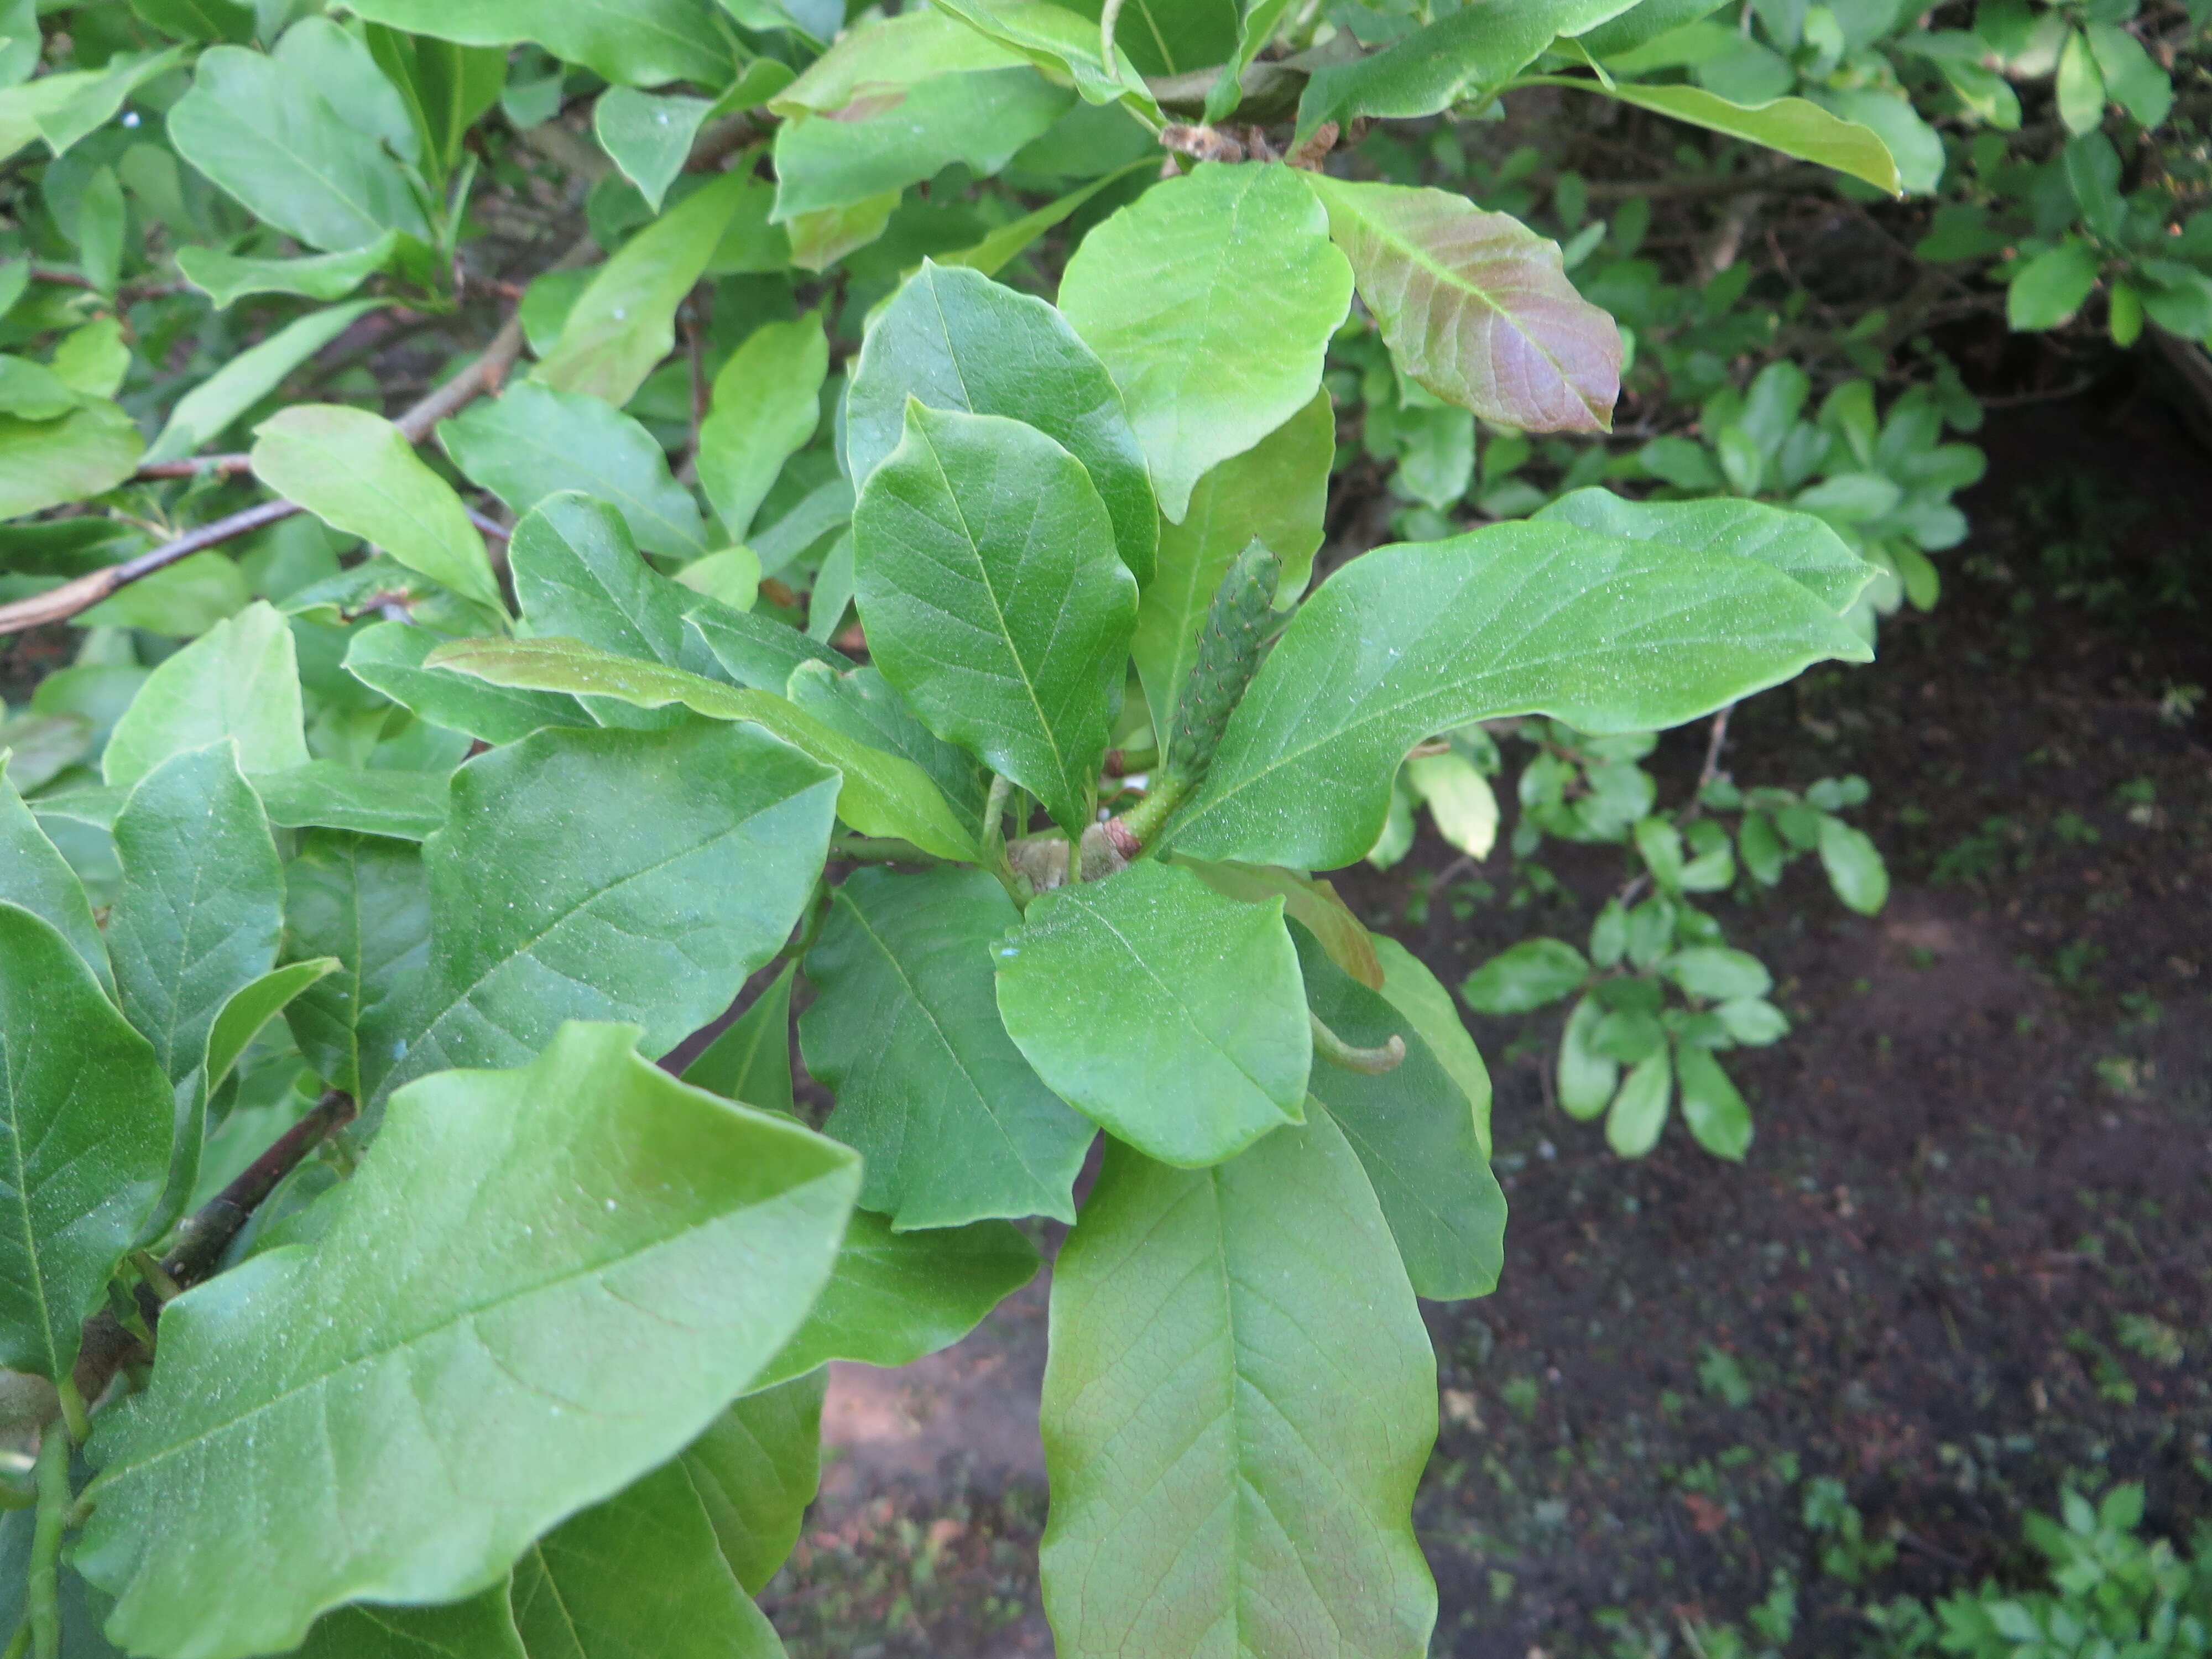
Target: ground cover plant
(695, 535)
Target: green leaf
(1606, 634)
(751, 1061)
(65, 108)
(617, 1252)
(1586, 1078)
(862, 705)
(1639, 1110)
(911, 124)
(1854, 866)
(881, 794)
(624, 321)
(358, 474)
(999, 246)
(364, 900)
(481, 1627)
(1211, 298)
(331, 795)
(533, 442)
(1718, 974)
(1172, 1016)
(1313, 904)
(904, 1031)
(238, 680)
(641, 1573)
(986, 574)
(389, 656)
(46, 464)
(1237, 1406)
(1755, 1023)
(201, 906)
(1413, 1128)
(85, 1117)
(1459, 800)
(1420, 997)
(263, 133)
(2131, 77)
(1525, 976)
(201, 414)
(955, 339)
(1475, 307)
(767, 403)
(1641, 24)
(1794, 126)
(649, 136)
(1463, 55)
(32, 392)
(1719, 1121)
(1798, 544)
(1915, 147)
(756, 1469)
(894, 1297)
(343, 67)
(2051, 288)
(2080, 87)
(445, 88)
(758, 653)
(635, 875)
(634, 43)
(1277, 491)
(580, 576)
(35, 876)
(227, 278)
(819, 240)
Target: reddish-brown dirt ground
(1969, 1253)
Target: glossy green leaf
(1638, 1112)
(1719, 1121)
(502, 1350)
(1718, 974)
(756, 1470)
(32, 392)
(1586, 1078)
(1462, 54)
(342, 66)
(1794, 126)
(358, 474)
(35, 876)
(1276, 492)
(330, 795)
(894, 1297)
(986, 573)
(201, 414)
(46, 464)
(638, 1576)
(817, 241)
(881, 793)
(635, 43)
(2050, 287)
(1312, 903)
(227, 278)
(751, 1061)
(445, 87)
(955, 339)
(201, 906)
(389, 656)
(1854, 866)
(1916, 148)
(1525, 976)
(364, 900)
(952, 1124)
(2131, 77)
(1238, 1403)
(263, 133)
(1002, 245)
(1476, 307)
(649, 136)
(1798, 544)
(624, 321)
(1606, 634)
(1211, 300)
(1421, 998)
(1172, 1016)
(85, 1117)
(1413, 1128)
(580, 576)
(1641, 24)
(756, 651)
(637, 875)
(65, 108)
(767, 403)
(532, 441)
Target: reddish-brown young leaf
(1476, 307)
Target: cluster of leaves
(1659, 991)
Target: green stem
(1150, 816)
(20, 1642)
(880, 850)
(42, 1594)
(73, 1412)
(1370, 1062)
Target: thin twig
(226, 466)
(1633, 890)
(201, 1242)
